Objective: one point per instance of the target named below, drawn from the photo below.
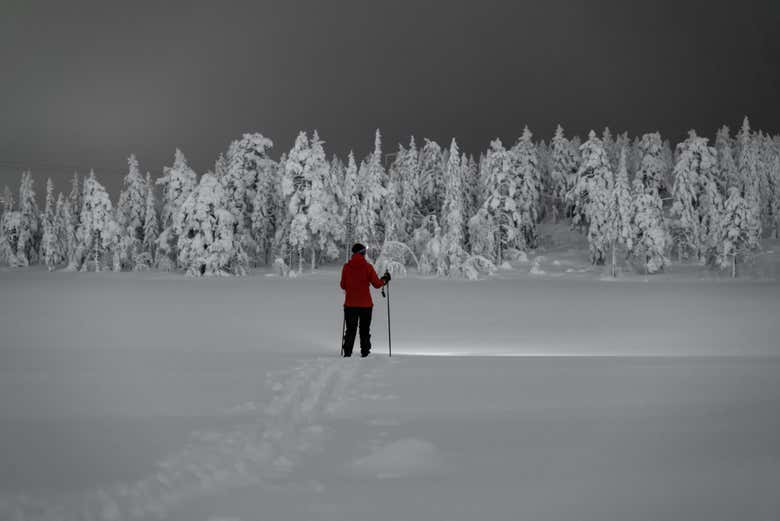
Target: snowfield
(554, 394)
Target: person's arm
(375, 281)
(343, 286)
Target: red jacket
(356, 275)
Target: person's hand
(386, 277)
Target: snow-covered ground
(153, 396)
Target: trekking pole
(389, 342)
(343, 332)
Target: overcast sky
(85, 83)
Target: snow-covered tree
(297, 189)
(267, 206)
(563, 171)
(351, 202)
(650, 235)
(50, 245)
(207, 243)
(98, 233)
(524, 163)
(68, 218)
(131, 209)
(747, 171)
(775, 177)
(451, 254)
(151, 230)
(247, 172)
(324, 215)
(6, 200)
(6, 206)
(610, 148)
(727, 175)
(178, 181)
(29, 233)
(409, 178)
(10, 228)
(500, 216)
(621, 211)
(739, 232)
(696, 202)
(651, 165)
(370, 193)
(473, 190)
(592, 196)
(431, 179)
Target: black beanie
(358, 248)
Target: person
(356, 276)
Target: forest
(432, 207)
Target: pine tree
(610, 148)
(738, 231)
(452, 254)
(431, 179)
(98, 233)
(131, 208)
(727, 172)
(69, 223)
(29, 233)
(747, 172)
(351, 202)
(207, 243)
(592, 196)
(501, 218)
(621, 211)
(10, 227)
(563, 172)
(6, 200)
(266, 208)
(6, 207)
(50, 250)
(247, 161)
(650, 236)
(151, 225)
(775, 177)
(370, 193)
(696, 202)
(652, 165)
(178, 181)
(324, 219)
(296, 186)
(528, 198)
(409, 174)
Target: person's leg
(351, 318)
(365, 331)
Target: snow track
(261, 453)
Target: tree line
(447, 212)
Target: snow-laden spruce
(592, 196)
(131, 214)
(564, 164)
(207, 243)
(621, 213)
(98, 233)
(738, 231)
(51, 248)
(696, 201)
(177, 182)
(525, 166)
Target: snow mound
(405, 457)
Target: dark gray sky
(85, 83)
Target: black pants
(353, 316)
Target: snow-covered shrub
(475, 265)
(394, 257)
(281, 267)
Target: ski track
(258, 453)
